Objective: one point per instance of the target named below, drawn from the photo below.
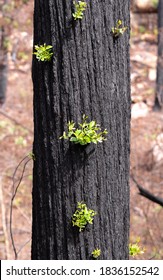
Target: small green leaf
(87, 139)
(92, 124)
(77, 132)
(73, 139)
(119, 22)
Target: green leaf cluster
(96, 253)
(43, 52)
(79, 9)
(88, 132)
(135, 249)
(118, 30)
(82, 216)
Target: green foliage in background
(155, 3)
(21, 141)
(142, 29)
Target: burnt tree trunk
(89, 74)
(159, 81)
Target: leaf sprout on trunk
(86, 133)
(96, 253)
(135, 249)
(82, 216)
(79, 9)
(43, 52)
(118, 30)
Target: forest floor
(16, 137)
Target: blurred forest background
(16, 128)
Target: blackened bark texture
(3, 66)
(159, 82)
(89, 74)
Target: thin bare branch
(21, 248)
(4, 226)
(147, 194)
(14, 191)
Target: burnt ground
(16, 136)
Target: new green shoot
(79, 9)
(43, 52)
(118, 30)
(135, 249)
(82, 216)
(85, 133)
(96, 253)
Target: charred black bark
(89, 74)
(159, 82)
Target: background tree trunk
(159, 82)
(89, 74)
(3, 66)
